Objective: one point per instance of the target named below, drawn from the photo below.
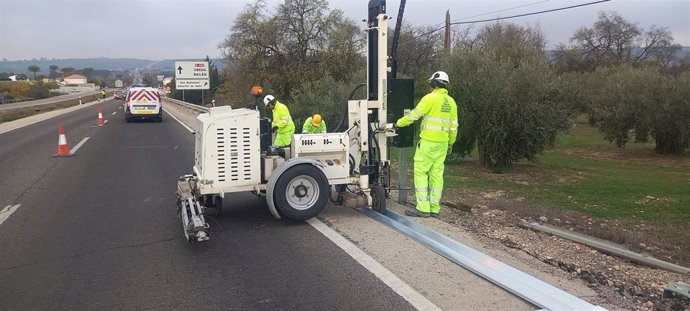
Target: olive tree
(509, 100)
(303, 41)
(613, 41)
(641, 103)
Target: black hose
(339, 128)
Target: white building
(75, 79)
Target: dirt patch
(633, 287)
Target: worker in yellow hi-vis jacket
(439, 130)
(282, 121)
(314, 124)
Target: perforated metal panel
(228, 150)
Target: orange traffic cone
(100, 118)
(62, 148)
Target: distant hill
(112, 64)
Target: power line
(508, 9)
(487, 13)
(509, 17)
(528, 14)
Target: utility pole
(446, 41)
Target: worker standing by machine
(282, 121)
(439, 130)
(314, 124)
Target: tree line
(514, 96)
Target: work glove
(274, 129)
(450, 150)
(391, 127)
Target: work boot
(435, 215)
(416, 213)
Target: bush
(641, 102)
(39, 90)
(326, 97)
(509, 109)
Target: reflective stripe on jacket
(282, 118)
(439, 115)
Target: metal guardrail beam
(511, 279)
(607, 247)
(186, 105)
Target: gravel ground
(619, 282)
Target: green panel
(401, 100)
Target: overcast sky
(174, 29)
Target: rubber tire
(213, 205)
(378, 195)
(218, 203)
(280, 190)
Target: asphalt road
(99, 231)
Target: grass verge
(631, 196)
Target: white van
(143, 103)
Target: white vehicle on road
(143, 103)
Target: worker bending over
(314, 124)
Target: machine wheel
(213, 205)
(301, 192)
(378, 197)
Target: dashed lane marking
(114, 112)
(7, 211)
(74, 150)
(105, 121)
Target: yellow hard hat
(316, 120)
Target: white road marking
(114, 112)
(74, 150)
(178, 121)
(7, 211)
(105, 121)
(405, 291)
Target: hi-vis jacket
(440, 117)
(282, 118)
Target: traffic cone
(62, 148)
(100, 118)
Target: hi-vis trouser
(428, 175)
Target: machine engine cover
(227, 150)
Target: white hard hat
(440, 76)
(268, 99)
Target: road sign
(192, 75)
(191, 70)
(192, 84)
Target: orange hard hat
(257, 90)
(316, 120)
